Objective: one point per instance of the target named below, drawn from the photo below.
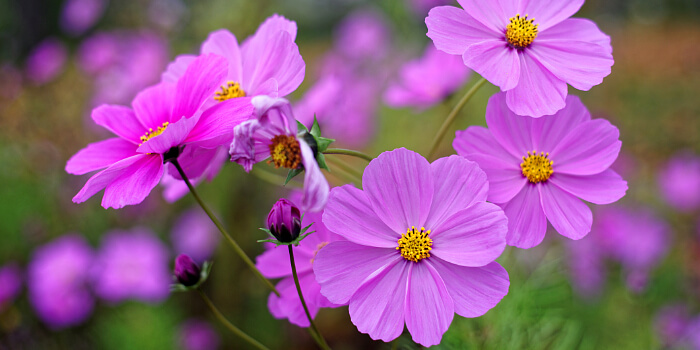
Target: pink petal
(134, 184)
(219, 120)
(100, 180)
(274, 263)
(153, 105)
(174, 135)
(119, 120)
(548, 13)
(493, 14)
(272, 25)
(349, 214)
(277, 58)
(459, 183)
(341, 277)
(527, 222)
(589, 149)
(201, 79)
(289, 305)
(548, 131)
(224, 43)
(474, 290)
(576, 29)
(567, 214)
(316, 186)
(474, 236)
(194, 162)
(496, 62)
(177, 68)
(513, 132)
(100, 155)
(244, 150)
(539, 91)
(580, 64)
(399, 185)
(453, 30)
(604, 188)
(429, 309)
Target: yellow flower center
(415, 245)
(285, 152)
(231, 90)
(318, 247)
(521, 32)
(153, 133)
(537, 168)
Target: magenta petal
(194, 162)
(378, 306)
(153, 105)
(349, 214)
(513, 132)
(474, 236)
(316, 186)
(100, 180)
(429, 308)
(539, 91)
(224, 43)
(100, 155)
(177, 68)
(340, 277)
(527, 223)
(497, 63)
(459, 183)
(399, 184)
(453, 30)
(272, 25)
(244, 150)
(119, 120)
(289, 305)
(135, 183)
(604, 188)
(277, 59)
(589, 149)
(493, 14)
(580, 29)
(220, 119)
(568, 215)
(583, 65)
(548, 131)
(474, 290)
(174, 135)
(274, 263)
(548, 13)
(201, 79)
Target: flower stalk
(235, 330)
(348, 152)
(314, 331)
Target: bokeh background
(60, 59)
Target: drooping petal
(341, 276)
(216, 123)
(458, 184)
(135, 183)
(100, 155)
(474, 290)
(548, 131)
(576, 29)
(604, 188)
(548, 13)
(349, 214)
(582, 65)
(174, 135)
(497, 63)
(100, 180)
(453, 30)
(316, 186)
(120, 120)
(474, 236)
(568, 215)
(588, 149)
(429, 308)
(539, 92)
(153, 105)
(201, 79)
(279, 59)
(513, 132)
(244, 149)
(400, 186)
(224, 43)
(493, 14)
(527, 223)
(177, 68)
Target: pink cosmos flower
(538, 167)
(195, 235)
(77, 16)
(679, 181)
(46, 61)
(198, 335)
(671, 324)
(274, 134)
(164, 119)
(421, 244)
(530, 49)
(363, 35)
(427, 80)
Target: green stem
(355, 176)
(348, 152)
(223, 231)
(453, 114)
(230, 325)
(319, 338)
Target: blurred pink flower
(679, 181)
(195, 235)
(198, 335)
(671, 324)
(46, 61)
(78, 16)
(363, 35)
(10, 284)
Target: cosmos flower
(421, 244)
(78, 16)
(274, 134)
(679, 181)
(363, 35)
(198, 335)
(46, 61)
(195, 235)
(164, 119)
(531, 50)
(539, 168)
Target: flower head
(421, 244)
(531, 50)
(187, 271)
(679, 181)
(539, 168)
(284, 221)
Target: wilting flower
(679, 181)
(10, 284)
(187, 271)
(46, 61)
(273, 134)
(164, 119)
(421, 246)
(132, 265)
(538, 167)
(57, 281)
(427, 80)
(274, 263)
(198, 335)
(284, 221)
(195, 235)
(77, 16)
(531, 49)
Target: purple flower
(531, 49)
(132, 265)
(78, 16)
(671, 324)
(187, 271)
(274, 263)
(198, 335)
(273, 134)
(679, 181)
(10, 284)
(284, 221)
(539, 168)
(363, 35)
(195, 235)
(164, 119)
(421, 246)
(46, 61)
(57, 281)
(427, 81)
(99, 52)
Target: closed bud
(284, 221)
(186, 270)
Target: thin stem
(453, 114)
(230, 325)
(319, 338)
(223, 231)
(273, 178)
(355, 175)
(348, 152)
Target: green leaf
(315, 129)
(291, 174)
(321, 160)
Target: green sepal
(292, 173)
(203, 276)
(315, 128)
(322, 143)
(301, 127)
(321, 160)
(302, 235)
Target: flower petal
(224, 43)
(548, 13)
(276, 58)
(174, 135)
(274, 263)
(177, 68)
(100, 180)
(244, 150)
(429, 309)
(272, 25)
(576, 29)
(316, 186)
(100, 155)
(453, 29)
(539, 92)
(134, 185)
(194, 162)
(527, 223)
(588, 149)
(153, 105)
(496, 62)
(217, 122)
(582, 65)
(399, 185)
(513, 132)
(289, 305)
(604, 188)
(493, 14)
(201, 79)
(568, 215)
(120, 120)
(548, 131)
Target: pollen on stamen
(153, 133)
(537, 168)
(285, 152)
(415, 245)
(231, 90)
(521, 32)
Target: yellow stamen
(285, 152)
(537, 168)
(153, 133)
(521, 32)
(231, 90)
(415, 245)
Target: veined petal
(453, 29)
(244, 150)
(194, 162)
(539, 92)
(576, 29)
(224, 43)
(173, 135)
(201, 79)
(580, 64)
(548, 13)
(269, 28)
(604, 188)
(527, 223)
(429, 308)
(177, 68)
(588, 149)
(154, 104)
(316, 186)
(494, 14)
(568, 215)
(120, 120)
(220, 119)
(135, 183)
(100, 155)
(100, 180)
(496, 62)
(279, 59)
(548, 131)
(513, 132)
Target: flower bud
(186, 270)
(284, 221)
